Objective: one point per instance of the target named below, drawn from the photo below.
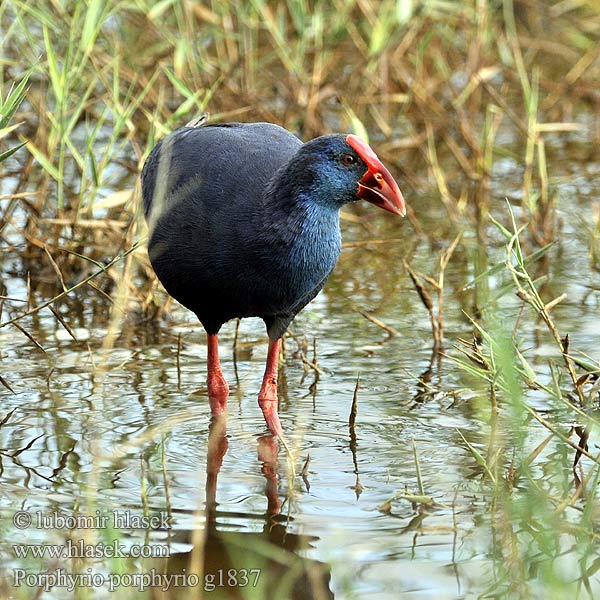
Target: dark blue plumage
(247, 221)
(244, 220)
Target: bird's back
(218, 164)
(202, 191)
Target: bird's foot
(218, 392)
(218, 406)
(268, 402)
(217, 384)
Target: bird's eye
(348, 159)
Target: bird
(244, 221)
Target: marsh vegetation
(462, 343)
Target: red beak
(377, 185)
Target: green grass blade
(11, 151)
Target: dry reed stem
(437, 319)
(388, 328)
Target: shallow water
(126, 430)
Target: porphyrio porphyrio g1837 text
(244, 222)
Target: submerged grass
(540, 522)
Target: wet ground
(126, 432)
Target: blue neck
(319, 241)
(301, 239)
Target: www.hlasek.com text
(79, 549)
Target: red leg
(267, 397)
(218, 390)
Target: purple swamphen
(244, 222)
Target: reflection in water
(425, 387)
(238, 564)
